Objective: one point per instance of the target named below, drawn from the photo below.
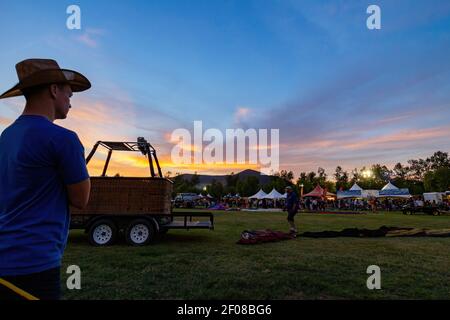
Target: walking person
(292, 209)
(43, 170)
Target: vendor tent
(389, 186)
(389, 190)
(356, 187)
(274, 194)
(366, 194)
(354, 192)
(317, 192)
(259, 195)
(330, 196)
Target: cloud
(385, 111)
(241, 114)
(90, 37)
(5, 121)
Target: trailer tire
(140, 232)
(102, 233)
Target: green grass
(203, 264)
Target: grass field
(203, 264)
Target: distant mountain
(263, 178)
(207, 179)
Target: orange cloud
(88, 37)
(395, 139)
(241, 113)
(5, 121)
(134, 164)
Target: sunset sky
(339, 93)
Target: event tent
(357, 192)
(274, 194)
(331, 195)
(389, 190)
(317, 192)
(354, 192)
(370, 194)
(259, 195)
(356, 187)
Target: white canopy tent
(389, 186)
(354, 192)
(370, 194)
(391, 191)
(357, 192)
(274, 194)
(356, 187)
(259, 195)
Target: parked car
(411, 209)
(186, 200)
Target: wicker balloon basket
(128, 196)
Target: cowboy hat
(37, 72)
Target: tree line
(418, 175)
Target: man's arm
(78, 193)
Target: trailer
(139, 208)
(437, 197)
(430, 210)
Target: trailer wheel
(140, 232)
(103, 233)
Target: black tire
(102, 233)
(140, 232)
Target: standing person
(43, 170)
(308, 204)
(291, 208)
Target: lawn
(203, 264)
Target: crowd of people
(313, 204)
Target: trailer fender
(155, 223)
(95, 219)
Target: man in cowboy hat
(291, 208)
(43, 170)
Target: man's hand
(78, 193)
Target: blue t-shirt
(37, 160)
(291, 201)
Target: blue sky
(339, 93)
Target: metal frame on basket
(141, 145)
